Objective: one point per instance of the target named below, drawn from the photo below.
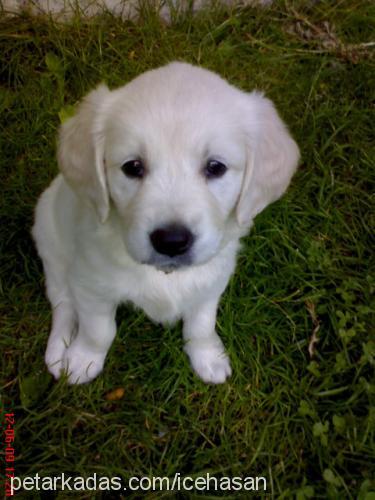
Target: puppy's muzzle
(173, 240)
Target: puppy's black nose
(172, 240)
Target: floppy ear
(81, 149)
(272, 157)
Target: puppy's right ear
(81, 150)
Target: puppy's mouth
(169, 264)
(167, 270)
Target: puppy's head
(182, 160)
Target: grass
(305, 423)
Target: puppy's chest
(162, 297)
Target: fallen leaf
(115, 395)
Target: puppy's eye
(134, 169)
(214, 169)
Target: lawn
(297, 412)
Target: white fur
(92, 224)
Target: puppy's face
(175, 160)
(183, 158)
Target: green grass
(306, 424)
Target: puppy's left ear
(272, 158)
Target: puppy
(159, 181)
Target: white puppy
(160, 179)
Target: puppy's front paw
(82, 364)
(209, 360)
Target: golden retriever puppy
(159, 181)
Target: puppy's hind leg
(64, 318)
(64, 326)
(55, 248)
